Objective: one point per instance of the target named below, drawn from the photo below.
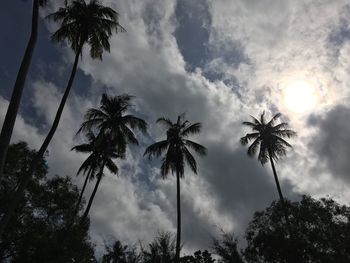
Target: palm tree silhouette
(90, 165)
(268, 137)
(115, 127)
(112, 120)
(81, 23)
(12, 110)
(176, 148)
(104, 151)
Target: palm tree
(111, 120)
(12, 110)
(90, 165)
(114, 126)
(269, 138)
(81, 23)
(103, 155)
(176, 148)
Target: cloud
(333, 131)
(250, 49)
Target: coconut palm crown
(91, 166)
(267, 138)
(177, 146)
(90, 23)
(112, 120)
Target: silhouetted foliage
(160, 250)
(268, 137)
(115, 130)
(226, 249)
(112, 120)
(44, 228)
(322, 227)
(120, 253)
(102, 154)
(198, 257)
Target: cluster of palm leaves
(109, 129)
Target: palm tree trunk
(279, 190)
(178, 235)
(93, 193)
(276, 179)
(293, 257)
(11, 114)
(82, 191)
(39, 156)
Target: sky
(219, 61)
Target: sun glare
(299, 96)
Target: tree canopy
(44, 228)
(322, 229)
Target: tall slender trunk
(178, 235)
(293, 256)
(82, 190)
(12, 110)
(87, 210)
(276, 179)
(39, 156)
(283, 202)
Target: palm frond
(83, 148)
(200, 149)
(165, 121)
(191, 129)
(262, 118)
(263, 156)
(248, 137)
(252, 149)
(156, 149)
(285, 133)
(255, 120)
(273, 119)
(190, 160)
(250, 124)
(135, 122)
(111, 166)
(280, 126)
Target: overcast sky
(219, 61)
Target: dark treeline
(47, 227)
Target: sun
(299, 96)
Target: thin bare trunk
(12, 110)
(87, 210)
(276, 180)
(178, 235)
(39, 156)
(82, 190)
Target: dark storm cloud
(331, 144)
